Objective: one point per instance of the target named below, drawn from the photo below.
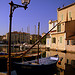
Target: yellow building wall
(58, 45)
(53, 45)
(63, 27)
(51, 26)
(61, 46)
(48, 42)
(65, 13)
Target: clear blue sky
(38, 11)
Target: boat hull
(44, 69)
(32, 68)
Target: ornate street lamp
(12, 8)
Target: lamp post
(12, 8)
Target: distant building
(63, 36)
(0, 39)
(4, 39)
(18, 37)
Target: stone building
(18, 37)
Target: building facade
(63, 36)
(51, 25)
(0, 39)
(18, 37)
(3, 39)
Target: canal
(67, 66)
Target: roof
(34, 34)
(15, 32)
(59, 9)
(50, 21)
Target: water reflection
(5, 49)
(67, 66)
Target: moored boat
(45, 64)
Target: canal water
(67, 66)
(4, 48)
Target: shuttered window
(62, 17)
(59, 28)
(53, 40)
(69, 14)
(60, 39)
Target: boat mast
(38, 43)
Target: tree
(43, 41)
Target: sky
(38, 11)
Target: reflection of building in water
(3, 49)
(51, 53)
(68, 58)
(63, 36)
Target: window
(72, 42)
(47, 42)
(59, 28)
(72, 62)
(60, 39)
(52, 25)
(69, 14)
(62, 17)
(68, 42)
(67, 61)
(54, 40)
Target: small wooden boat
(45, 64)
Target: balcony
(70, 30)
